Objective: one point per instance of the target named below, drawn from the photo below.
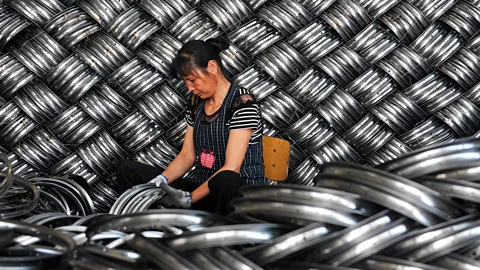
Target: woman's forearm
(203, 190)
(178, 167)
(236, 148)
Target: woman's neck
(223, 86)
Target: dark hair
(196, 54)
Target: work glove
(159, 180)
(175, 197)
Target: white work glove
(159, 180)
(175, 197)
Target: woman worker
(223, 137)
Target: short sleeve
(190, 111)
(245, 113)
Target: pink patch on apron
(207, 159)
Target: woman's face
(202, 84)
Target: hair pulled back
(197, 54)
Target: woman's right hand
(159, 180)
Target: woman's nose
(190, 86)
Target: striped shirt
(211, 132)
(244, 114)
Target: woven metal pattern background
(84, 84)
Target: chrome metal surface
(408, 63)
(457, 261)
(447, 156)
(220, 236)
(310, 195)
(339, 241)
(145, 219)
(13, 207)
(288, 244)
(382, 262)
(416, 201)
(7, 176)
(382, 238)
(233, 259)
(291, 211)
(150, 252)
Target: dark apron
(210, 140)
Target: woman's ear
(213, 67)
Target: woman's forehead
(190, 77)
(193, 74)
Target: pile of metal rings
(84, 84)
(417, 211)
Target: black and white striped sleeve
(245, 114)
(245, 118)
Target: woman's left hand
(175, 197)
